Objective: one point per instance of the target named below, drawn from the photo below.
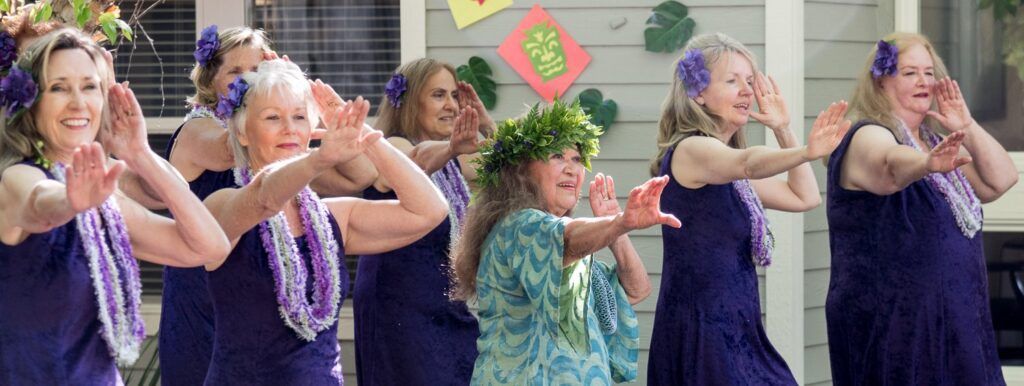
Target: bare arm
(136, 187)
(201, 145)
(431, 156)
(631, 271)
(878, 164)
(346, 179)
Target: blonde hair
(402, 121)
(231, 38)
(19, 135)
(869, 101)
(681, 116)
(271, 75)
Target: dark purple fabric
(908, 297)
(707, 327)
(252, 345)
(49, 326)
(407, 331)
(186, 313)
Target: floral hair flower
(395, 88)
(207, 45)
(8, 51)
(885, 59)
(17, 91)
(228, 104)
(692, 71)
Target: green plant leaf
(110, 30)
(43, 13)
(602, 112)
(478, 74)
(1001, 8)
(5, 6)
(82, 17)
(669, 27)
(126, 30)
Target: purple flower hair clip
(207, 45)
(885, 59)
(227, 104)
(394, 89)
(17, 91)
(692, 71)
(8, 51)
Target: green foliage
(1001, 8)
(670, 27)
(602, 111)
(478, 74)
(537, 135)
(43, 13)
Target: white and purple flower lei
(762, 240)
(115, 276)
(200, 111)
(693, 72)
(307, 320)
(451, 183)
(953, 186)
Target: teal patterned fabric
(537, 320)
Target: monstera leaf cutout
(602, 112)
(669, 29)
(478, 74)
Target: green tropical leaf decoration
(478, 74)
(669, 27)
(602, 112)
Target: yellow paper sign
(467, 12)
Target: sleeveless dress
(252, 345)
(707, 325)
(908, 297)
(49, 319)
(186, 311)
(539, 322)
(408, 332)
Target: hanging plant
(669, 27)
(1013, 33)
(602, 111)
(478, 74)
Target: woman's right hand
(346, 136)
(643, 208)
(828, 130)
(945, 157)
(464, 139)
(89, 181)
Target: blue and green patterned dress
(538, 321)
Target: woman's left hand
(347, 137)
(126, 137)
(329, 103)
(643, 209)
(602, 196)
(469, 98)
(953, 113)
(773, 111)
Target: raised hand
(464, 139)
(828, 130)
(773, 111)
(953, 113)
(88, 180)
(602, 196)
(126, 135)
(329, 103)
(469, 98)
(271, 55)
(347, 137)
(643, 209)
(945, 157)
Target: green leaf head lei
(541, 132)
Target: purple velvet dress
(252, 345)
(908, 298)
(186, 312)
(407, 330)
(49, 319)
(707, 326)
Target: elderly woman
(908, 299)
(549, 312)
(276, 297)
(69, 284)
(199, 150)
(707, 328)
(407, 329)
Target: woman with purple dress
(908, 298)
(199, 150)
(69, 283)
(707, 327)
(276, 297)
(407, 329)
